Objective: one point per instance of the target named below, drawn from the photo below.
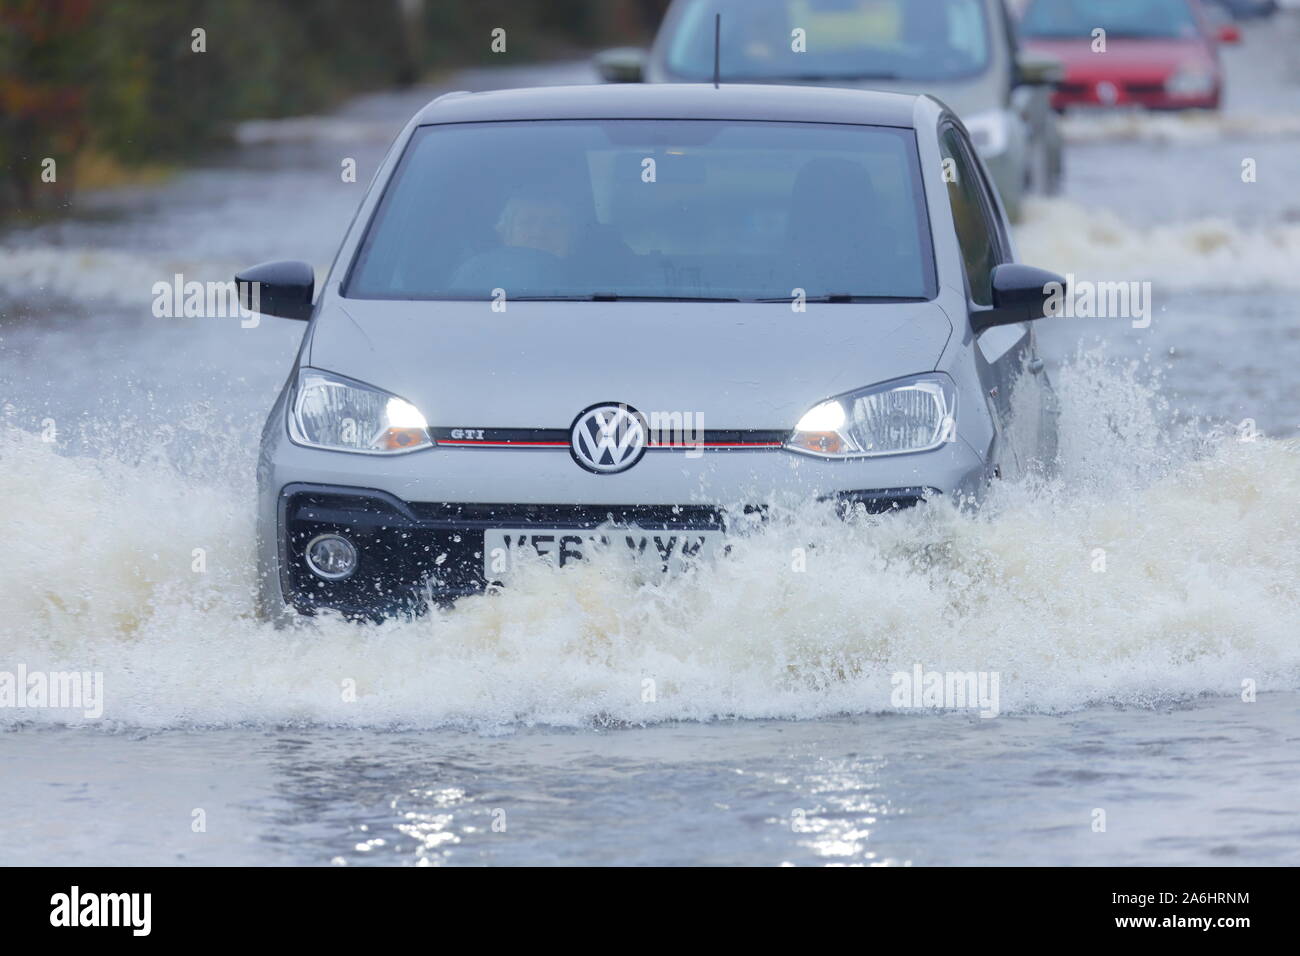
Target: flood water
(517, 729)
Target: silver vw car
(641, 317)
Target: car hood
(1123, 56)
(539, 364)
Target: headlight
(329, 411)
(989, 131)
(1190, 82)
(909, 415)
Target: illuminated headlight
(989, 131)
(329, 411)
(1193, 82)
(909, 415)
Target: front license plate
(671, 550)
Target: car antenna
(717, 48)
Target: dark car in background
(962, 52)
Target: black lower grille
(881, 501)
(574, 516)
(410, 551)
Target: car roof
(807, 104)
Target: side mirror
(277, 288)
(624, 64)
(1020, 294)
(1228, 33)
(1038, 69)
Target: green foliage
(121, 78)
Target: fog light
(331, 556)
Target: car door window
(972, 211)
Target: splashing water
(1212, 253)
(1200, 590)
(1192, 127)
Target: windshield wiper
(809, 77)
(616, 297)
(839, 297)
(1086, 35)
(844, 77)
(836, 297)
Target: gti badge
(608, 438)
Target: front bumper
(410, 552)
(1147, 95)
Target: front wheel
(1056, 171)
(1046, 174)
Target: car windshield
(684, 209)
(831, 40)
(1056, 19)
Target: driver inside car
(536, 234)
(545, 248)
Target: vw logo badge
(608, 438)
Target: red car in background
(1160, 54)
